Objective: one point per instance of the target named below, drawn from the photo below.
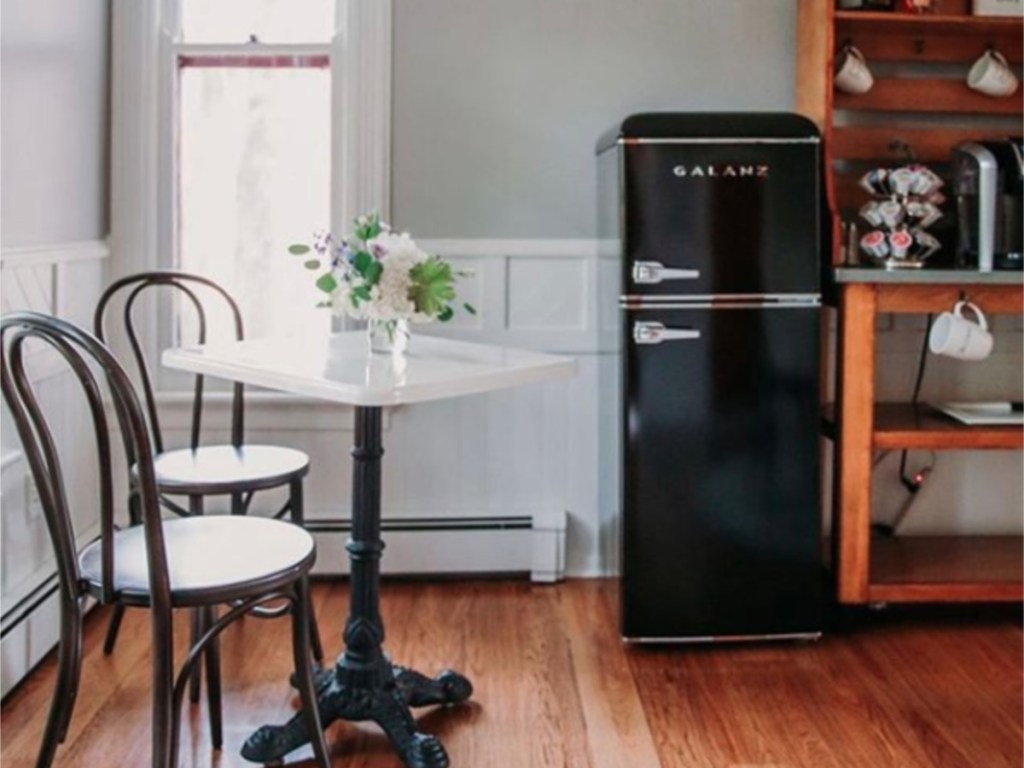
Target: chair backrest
(85, 356)
(192, 289)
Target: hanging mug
(957, 336)
(852, 74)
(991, 74)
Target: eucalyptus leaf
(298, 249)
(469, 308)
(312, 264)
(327, 283)
(446, 314)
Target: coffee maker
(988, 181)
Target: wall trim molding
(468, 247)
(54, 253)
(361, 63)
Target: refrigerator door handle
(655, 333)
(650, 272)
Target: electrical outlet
(33, 503)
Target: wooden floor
(555, 687)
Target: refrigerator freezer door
(720, 218)
(721, 523)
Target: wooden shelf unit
(900, 426)
(921, 427)
(912, 57)
(946, 569)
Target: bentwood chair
(235, 470)
(198, 563)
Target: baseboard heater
(511, 544)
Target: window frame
(146, 43)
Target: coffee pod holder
(904, 204)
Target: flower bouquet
(382, 277)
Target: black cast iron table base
(364, 684)
(392, 690)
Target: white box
(999, 7)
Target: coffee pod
(871, 214)
(901, 180)
(925, 180)
(927, 244)
(915, 209)
(873, 244)
(892, 212)
(936, 198)
(873, 182)
(929, 215)
(900, 243)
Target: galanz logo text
(721, 171)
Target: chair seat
(209, 559)
(218, 469)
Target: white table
(364, 685)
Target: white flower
(388, 244)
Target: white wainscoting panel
(62, 279)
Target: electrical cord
(912, 483)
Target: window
(251, 151)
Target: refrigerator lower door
(721, 522)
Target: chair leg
(166, 709)
(113, 628)
(304, 673)
(117, 614)
(298, 513)
(195, 507)
(69, 667)
(213, 698)
(237, 504)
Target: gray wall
(53, 97)
(498, 104)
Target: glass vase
(387, 337)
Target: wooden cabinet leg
(855, 414)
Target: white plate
(982, 413)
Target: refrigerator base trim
(724, 638)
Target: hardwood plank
(928, 95)
(881, 143)
(950, 22)
(855, 404)
(617, 732)
(554, 687)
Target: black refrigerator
(717, 221)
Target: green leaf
(469, 308)
(323, 304)
(432, 286)
(312, 264)
(446, 314)
(370, 228)
(360, 292)
(327, 283)
(298, 249)
(361, 262)
(373, 272)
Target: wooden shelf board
(899, 425)
(921, 427)
(947, 569)
(887, 21)
(927, 95)
(880, 143)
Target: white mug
(956, 336)
(991, 75)
(852, 73)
